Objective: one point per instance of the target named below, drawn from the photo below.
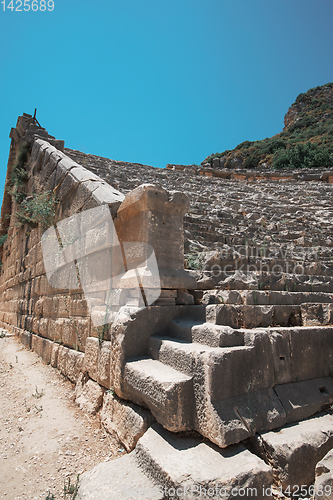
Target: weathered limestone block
(242, 369)
(222, 315)
(62, 359)
(68, 335)
(37, 153)
(104, 193)
(35, 324)
(167, 392)
(42, 347)
(216, 335)
(54, 355)
(82, 331)
(104, 368)
(317, 314)
(55, 329)
(128, 420)
(151, 215)
(280, 341)
(26, 339)
(254, 316)
(47, 350)
(50, 306)
(63, 306)
(40, 269)
(312, 352)
(43, 326)
(89, 394)
(39, 307)
(91, 356)
(44, 287)
(78, 307)
(122, 476)
(74, 365)
(34, 344)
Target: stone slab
(294, 450)
(188, 464)
(119, 479)
(217, 335)
(91, 356)
(167, 392)
(303, 399)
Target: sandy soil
(45, 439)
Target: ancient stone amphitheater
(221, 387)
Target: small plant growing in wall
(19, 175)
(38, 209)
(3, 239)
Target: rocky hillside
(305, 142)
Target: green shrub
(3, 239)
(18, 174)
(38, 209)
(308, 155)
(297, 145)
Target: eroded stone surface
(294, 451)
(128, 420)
(89, 394)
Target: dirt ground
(45, 439)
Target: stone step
(277, 282)
(168, 393)
(198, 469)
(243, 404)
(203, 333)
(253, 316)
(260, 297)
(164, 465)
(178, 354)
(182, 356)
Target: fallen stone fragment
(89, 394)
(128, 420)
(294, 451)
(323, 485)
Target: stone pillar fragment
(153, 217)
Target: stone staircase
(166, 466)
(230, 371)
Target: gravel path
(45, 440)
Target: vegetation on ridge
(305, 142)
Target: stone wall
(28, 302)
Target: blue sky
(160, 82)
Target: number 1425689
(26, 5)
